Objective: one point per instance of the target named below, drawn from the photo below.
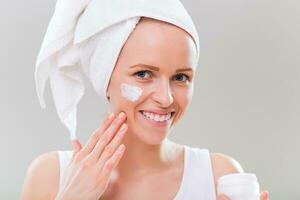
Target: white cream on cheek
(130, 92)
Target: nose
(163, 94)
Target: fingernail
(111, 116)
(121, 148)
(121, 115)
(123, 127)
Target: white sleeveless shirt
(197, 181)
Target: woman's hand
(263, 196)
(88, 173)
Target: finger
(222, 197)
(113, 161)
(96, 135)
(76, 145)
(107, 137)
(264, 195)
(113, 146)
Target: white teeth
(156, 117)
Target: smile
(157, 119)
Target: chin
(152, 138)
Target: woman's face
(153, 79)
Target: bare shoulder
(223, 164)
(42, 177)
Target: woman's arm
(222, 165)
(42, 178)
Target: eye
(182, 77)
(145, 74)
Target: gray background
(246, 100)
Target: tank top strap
(199, 179)
(64, 159)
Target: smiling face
(153, 79)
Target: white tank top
(197, 182)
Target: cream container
(239, 186)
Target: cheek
(190, 95)
(130, 92)
(183, 96)
(126, 97)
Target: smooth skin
(151, 161)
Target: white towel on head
(87, 36)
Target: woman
(149, 91)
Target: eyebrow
(157, 69)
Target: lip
(159, 112)
(155, 123)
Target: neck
(141, 158)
